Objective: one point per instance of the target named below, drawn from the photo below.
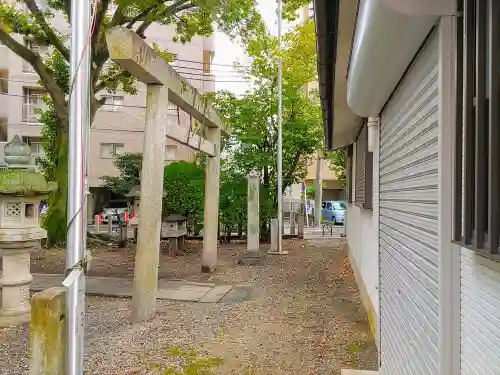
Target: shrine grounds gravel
(303, 316)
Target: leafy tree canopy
(129, 165)
(253, 117)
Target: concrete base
(11, 321)
(252, 258)
(278, 253)
(358, 372)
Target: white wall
(362, 237)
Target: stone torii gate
(164, 84)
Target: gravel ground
(304, 317)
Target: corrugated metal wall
(480, 318)
(409, 221)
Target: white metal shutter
(480, 320)
(409, 221)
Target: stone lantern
(21, 191)
(174, 228)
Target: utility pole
(79, 118)
(318, 196)
(280, 133)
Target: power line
(210, 71)
(216, 64)
(190, 78)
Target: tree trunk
(56, 218)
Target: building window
(349, 177)
(32, 104)
(476, 200)
(363, 176)
(113, 103)
(33, 47)
(170, 152)
(207, 61)
(109, 150)
(36, 149)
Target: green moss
(47, 332)
(24, 182)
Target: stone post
(274, 234)
(253, 224)
(21, 191)
(300, 225)
(211, 219)
(47, 333)
(292, 222)
(148, 242)
(110, 224)
(97, 226)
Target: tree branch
(101, 13)
(171, 10)
(43, 71)
(52, 37)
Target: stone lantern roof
(20, 178)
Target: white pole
(305, 205)
(280, 130)
(77, 221)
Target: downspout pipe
(373, 126)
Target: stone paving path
(179, 290)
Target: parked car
(113, 208)
(334, 211)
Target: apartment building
(119, 125)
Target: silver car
(112, 209)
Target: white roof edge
(423, 7)
(384, 45)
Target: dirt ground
(114, 262)
(303, 317)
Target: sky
(228, 52)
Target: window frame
(363, 192)
(476, 200)
(113, 146)
(28, 93)
(113, 107)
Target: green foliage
(336, 160)
(253, 118)
(184, 190)
(129, 165)
(233, 200)
(192, 363)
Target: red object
(127, 219)
(99, 219)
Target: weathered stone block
(47, 332)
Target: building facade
(119, 125)
(410, 92)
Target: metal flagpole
(280, 131)
(77, 154)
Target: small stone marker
(300, 225)
(274, 234)
(97, 224)
(253, 255)
(47, 333)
